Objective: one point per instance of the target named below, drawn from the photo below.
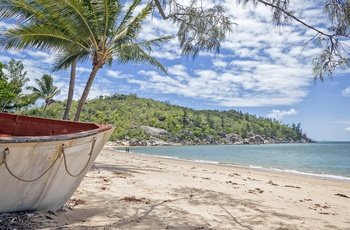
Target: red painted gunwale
(19, 128)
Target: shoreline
(252, 167)
(132, 191)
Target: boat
(43, 161)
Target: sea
(328, 160)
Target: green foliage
(11, 85)
(129, 112)
(44, 90)
(54, 111)
(6, 94)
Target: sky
(261, 69)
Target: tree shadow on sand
(191, 208)
(222, 212)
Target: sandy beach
(129, 191)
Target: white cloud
(219, 63)
(83, 70)
(45, 57)
(347, 129)
(346, 92)
(18, 54)
(259, 65)
(156, 28)
(4, 59)
(279, 114)
(117, 74)
(178, 70)
(241, 83)
(223, 87)
(4, 25)
(168, 51)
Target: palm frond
(135, 25)
(128, 15)
(38, 37)
(65, 58)
(23, 11)
(73, 18)
(154, 42)
(130, 27)
(135, 54)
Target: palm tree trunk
(86, 91)
(45, 107)
(71, 90)
(4, 106)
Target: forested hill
(139, 120)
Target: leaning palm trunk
(86, 91)
(70, 90)
(45, 106)
(4, 106)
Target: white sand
(128, 191)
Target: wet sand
(129, 191)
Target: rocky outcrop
(154, 131)
(233, 138)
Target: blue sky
(261, 70)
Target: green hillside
(182, 125)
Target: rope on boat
(7, 152)
(2, 162)
(87, 163)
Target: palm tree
(100, 31)
(70, 90)
(45, 90)
(29, 13)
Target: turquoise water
(325, 159)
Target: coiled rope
(61, 152)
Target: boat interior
(18, 125)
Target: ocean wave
(308, 174)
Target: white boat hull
(44, 175)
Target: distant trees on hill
(129, 112)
